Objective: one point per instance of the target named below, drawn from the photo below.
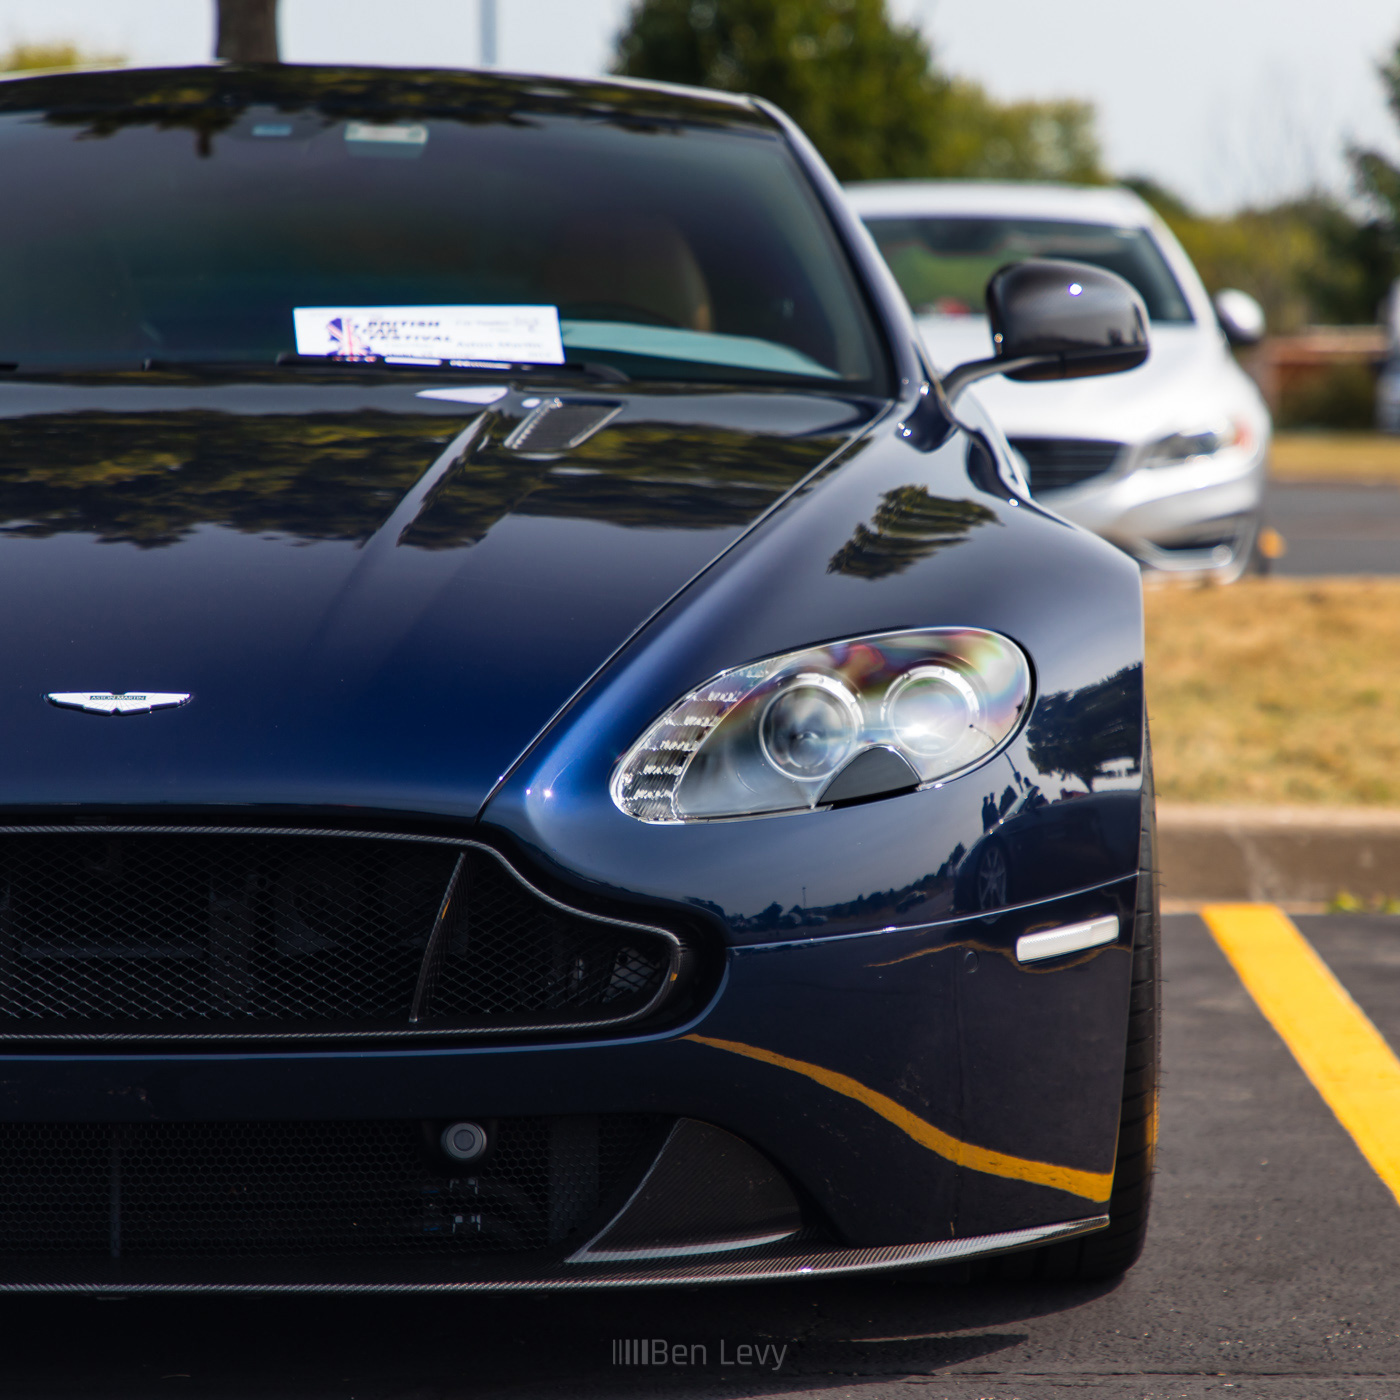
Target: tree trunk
(247, 31)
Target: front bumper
(924, 1095)
(1200, 517)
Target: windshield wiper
(582, 369)
(588, 369)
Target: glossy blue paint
(822, 568)
(310, 619)
(480, 662)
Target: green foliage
(976, 136)
(1307, 261)
(1375, 174)
(863, 87)
(20, 58)
(1379, 179)
(1344, 902)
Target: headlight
(780, 735)
(1179, 448)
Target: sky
(1229, 102)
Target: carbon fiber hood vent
(560, 425)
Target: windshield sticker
(508, 335)
(385, 139)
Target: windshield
(943, 264)
(669, 251)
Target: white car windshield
(943, 263)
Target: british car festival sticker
(504, 334)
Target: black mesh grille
(1053, 463)
(504, 957)
(269, 1190)
(212, 934)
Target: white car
(1168, 460)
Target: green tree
(1308, 261)
(860, 85)
(976, 136)
(1375, 173)
(864, 87)
(1378, 178)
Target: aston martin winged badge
(118, 702)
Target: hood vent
(560, 425)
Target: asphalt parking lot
(1335, 529)
(1272, 1270)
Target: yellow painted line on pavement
(1093, 1186)
(1330, 1036)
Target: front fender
(892, 537)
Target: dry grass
(1355, 457)
(1276, 691)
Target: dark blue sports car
(544, 746)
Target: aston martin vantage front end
(545, 748)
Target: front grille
(1054, 463)
(287, 1190)
(138, 934)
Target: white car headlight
(782, 735)
(1176, 449)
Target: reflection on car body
(561, 872)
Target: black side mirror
(1058, 320)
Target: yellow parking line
(1330, 1036)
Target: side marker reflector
(1073, 938)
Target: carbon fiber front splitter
(788, 1259)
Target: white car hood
(1189, 383)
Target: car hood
(1188, 383)
(375, 603)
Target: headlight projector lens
(930, 710)
(809, 727)
(837, 722)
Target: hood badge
(118, 702)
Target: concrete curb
(1296, 856)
